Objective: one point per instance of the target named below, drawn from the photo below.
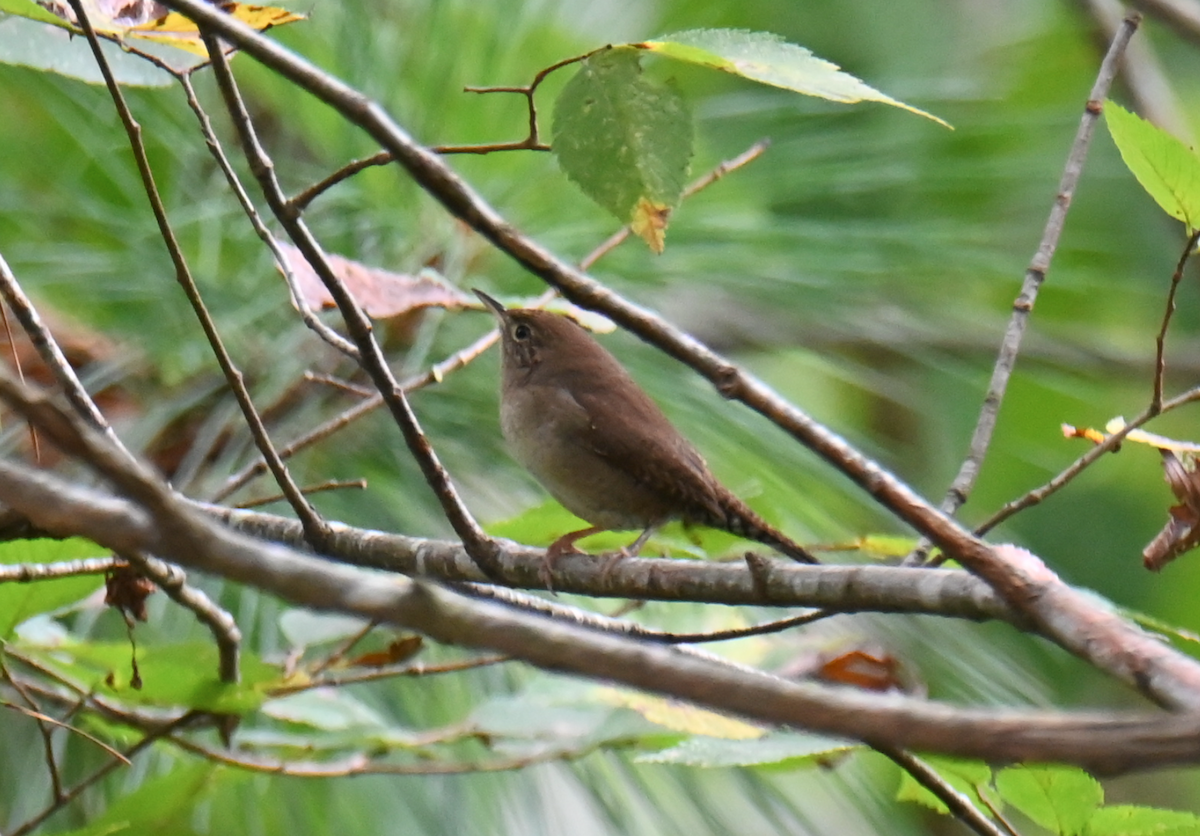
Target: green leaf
(1158, 625)
(966, 776)
(769, 59)
(542, 524)
(32, 43)
(1122, 820)
(31, 10)
(621, 137)
(329, 709)
(305, 628)
(1059, 798)
(784, 749)
(20, 601)
(1166, 168)
(160, 805)
(183, 675)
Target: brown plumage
(583, 427)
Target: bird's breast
(549, 433)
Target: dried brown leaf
(1181, 533)
(381, 293)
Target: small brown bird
(580, 424)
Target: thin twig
(481, 547)
(338, 383)
(1160, 342)
(34, 444)
(723, 168)
(47, 719)
(308, 490)
(71, 794)
(356, 677)
(313, 524)
(341, 650)
(173, 581)
(959, 805)
(1102, 741)
(214, 146)
(32, 709)
(26, 572)
(532, 141)
(1060, 481)
(363, 765)
(739, 633)
(491, 147)
(48, 349)
(301, 201)
(1035, 274)
(460, 359)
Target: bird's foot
(610, 562)
(563, 545)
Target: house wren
(580, 424)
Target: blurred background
(865, 267)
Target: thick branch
(1104, 743)
(945, 592)
(1068, 617)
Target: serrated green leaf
(180, 675)
(791, 749)
(1123, 820)
(966, 776)
(769, 59)
(20, 601)
(621, 137)
(1167, 169)
(1060, 798)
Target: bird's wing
(639, 439)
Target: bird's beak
(491, 305)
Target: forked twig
(1010, 346)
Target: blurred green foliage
(865, 267)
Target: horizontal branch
(1100, 742)
(943, 592)
(1068, 617)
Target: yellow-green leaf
(769, 59)
(1166, 168)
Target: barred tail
(731, 514)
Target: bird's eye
(522, 332)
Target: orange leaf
(396, 652)
(862, 670)
(649, 223)
(1182, 532)
(1094, 436)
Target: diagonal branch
(50, 352)
(1035, 274)
(1103, 742)
(370, 356)
(1067, 616)
(313, 524)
